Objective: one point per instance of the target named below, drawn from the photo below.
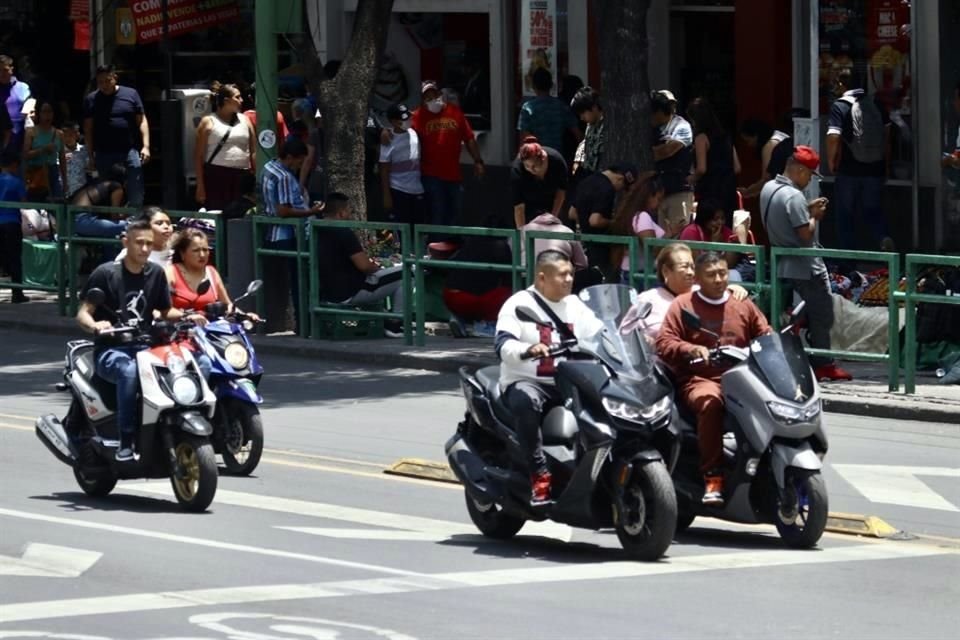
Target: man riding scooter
(526, 372)
(137, 288)
(686, 351)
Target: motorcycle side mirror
(95, 296)
(690, 319)
(203, 288)
(526, 315)
(254, 286)
(644, 308)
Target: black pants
(819, 312)
(529, 401)
(408, 208)
(11, 250)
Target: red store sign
(183, 16)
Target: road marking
(354, 472)
(405, 527)
(166, 600)
(16, 417)
(314, 456)
(202, 542)
(49, 561)
(17, 427)
(898, 485)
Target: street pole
(265, 72)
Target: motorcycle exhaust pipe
(51, 433)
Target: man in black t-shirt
(116, 131)
(593, 210)
(135, 290)
(347, 275)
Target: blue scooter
(234, 378)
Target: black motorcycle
(609, 447)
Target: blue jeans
(131, 161)
(859, 203)
(119, 367)
(87, 224)
(443, 200)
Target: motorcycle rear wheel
(491, 520)
(95, 485)
(805, 530)
(647, 525)
(242, 437)
(195, 490)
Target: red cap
(808, 157)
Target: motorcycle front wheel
(804, 530)
(646, 523)
(194, 479)
(491, 520)
(242, 437)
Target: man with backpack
(857, 141)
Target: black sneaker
(393, 329)
(18, 297)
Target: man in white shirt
(673, 156)
(526, 373)
(400, 169)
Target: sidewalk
(867, 395)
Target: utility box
(194, 105)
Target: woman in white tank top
(223, 161)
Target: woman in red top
(191, 255)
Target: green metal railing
(318, 309)
(261, 224)
(911, 297)
(67, 236)
(892, 260)
(420, 260)
(56, 211)
(632, 244)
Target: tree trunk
(343, 101)
(625, 84)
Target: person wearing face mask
(400, 169)
(538, 178)
(442, 129)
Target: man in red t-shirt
(442, 128)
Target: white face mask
(405, 125)
(435, 106)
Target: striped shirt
(280, 187)
(403, 156)
(547, 118)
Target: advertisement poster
(183, 16)
(888, 52)
(538, 40)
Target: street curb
(895, 408)
(423, 469)
(859, 525)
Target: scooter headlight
(634, 413)
(236, 355)
(790, 414)
(185, 390)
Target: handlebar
(554, 351)
(115, 331)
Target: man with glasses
(791, 221)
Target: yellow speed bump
(425, 469)
(860, 525)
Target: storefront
(901, 50)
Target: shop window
(872, 39)
(950, 115)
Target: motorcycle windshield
(782, 362)
(628, 353)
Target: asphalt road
(320, 544)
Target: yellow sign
(126, 34)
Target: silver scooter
(773, 441)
